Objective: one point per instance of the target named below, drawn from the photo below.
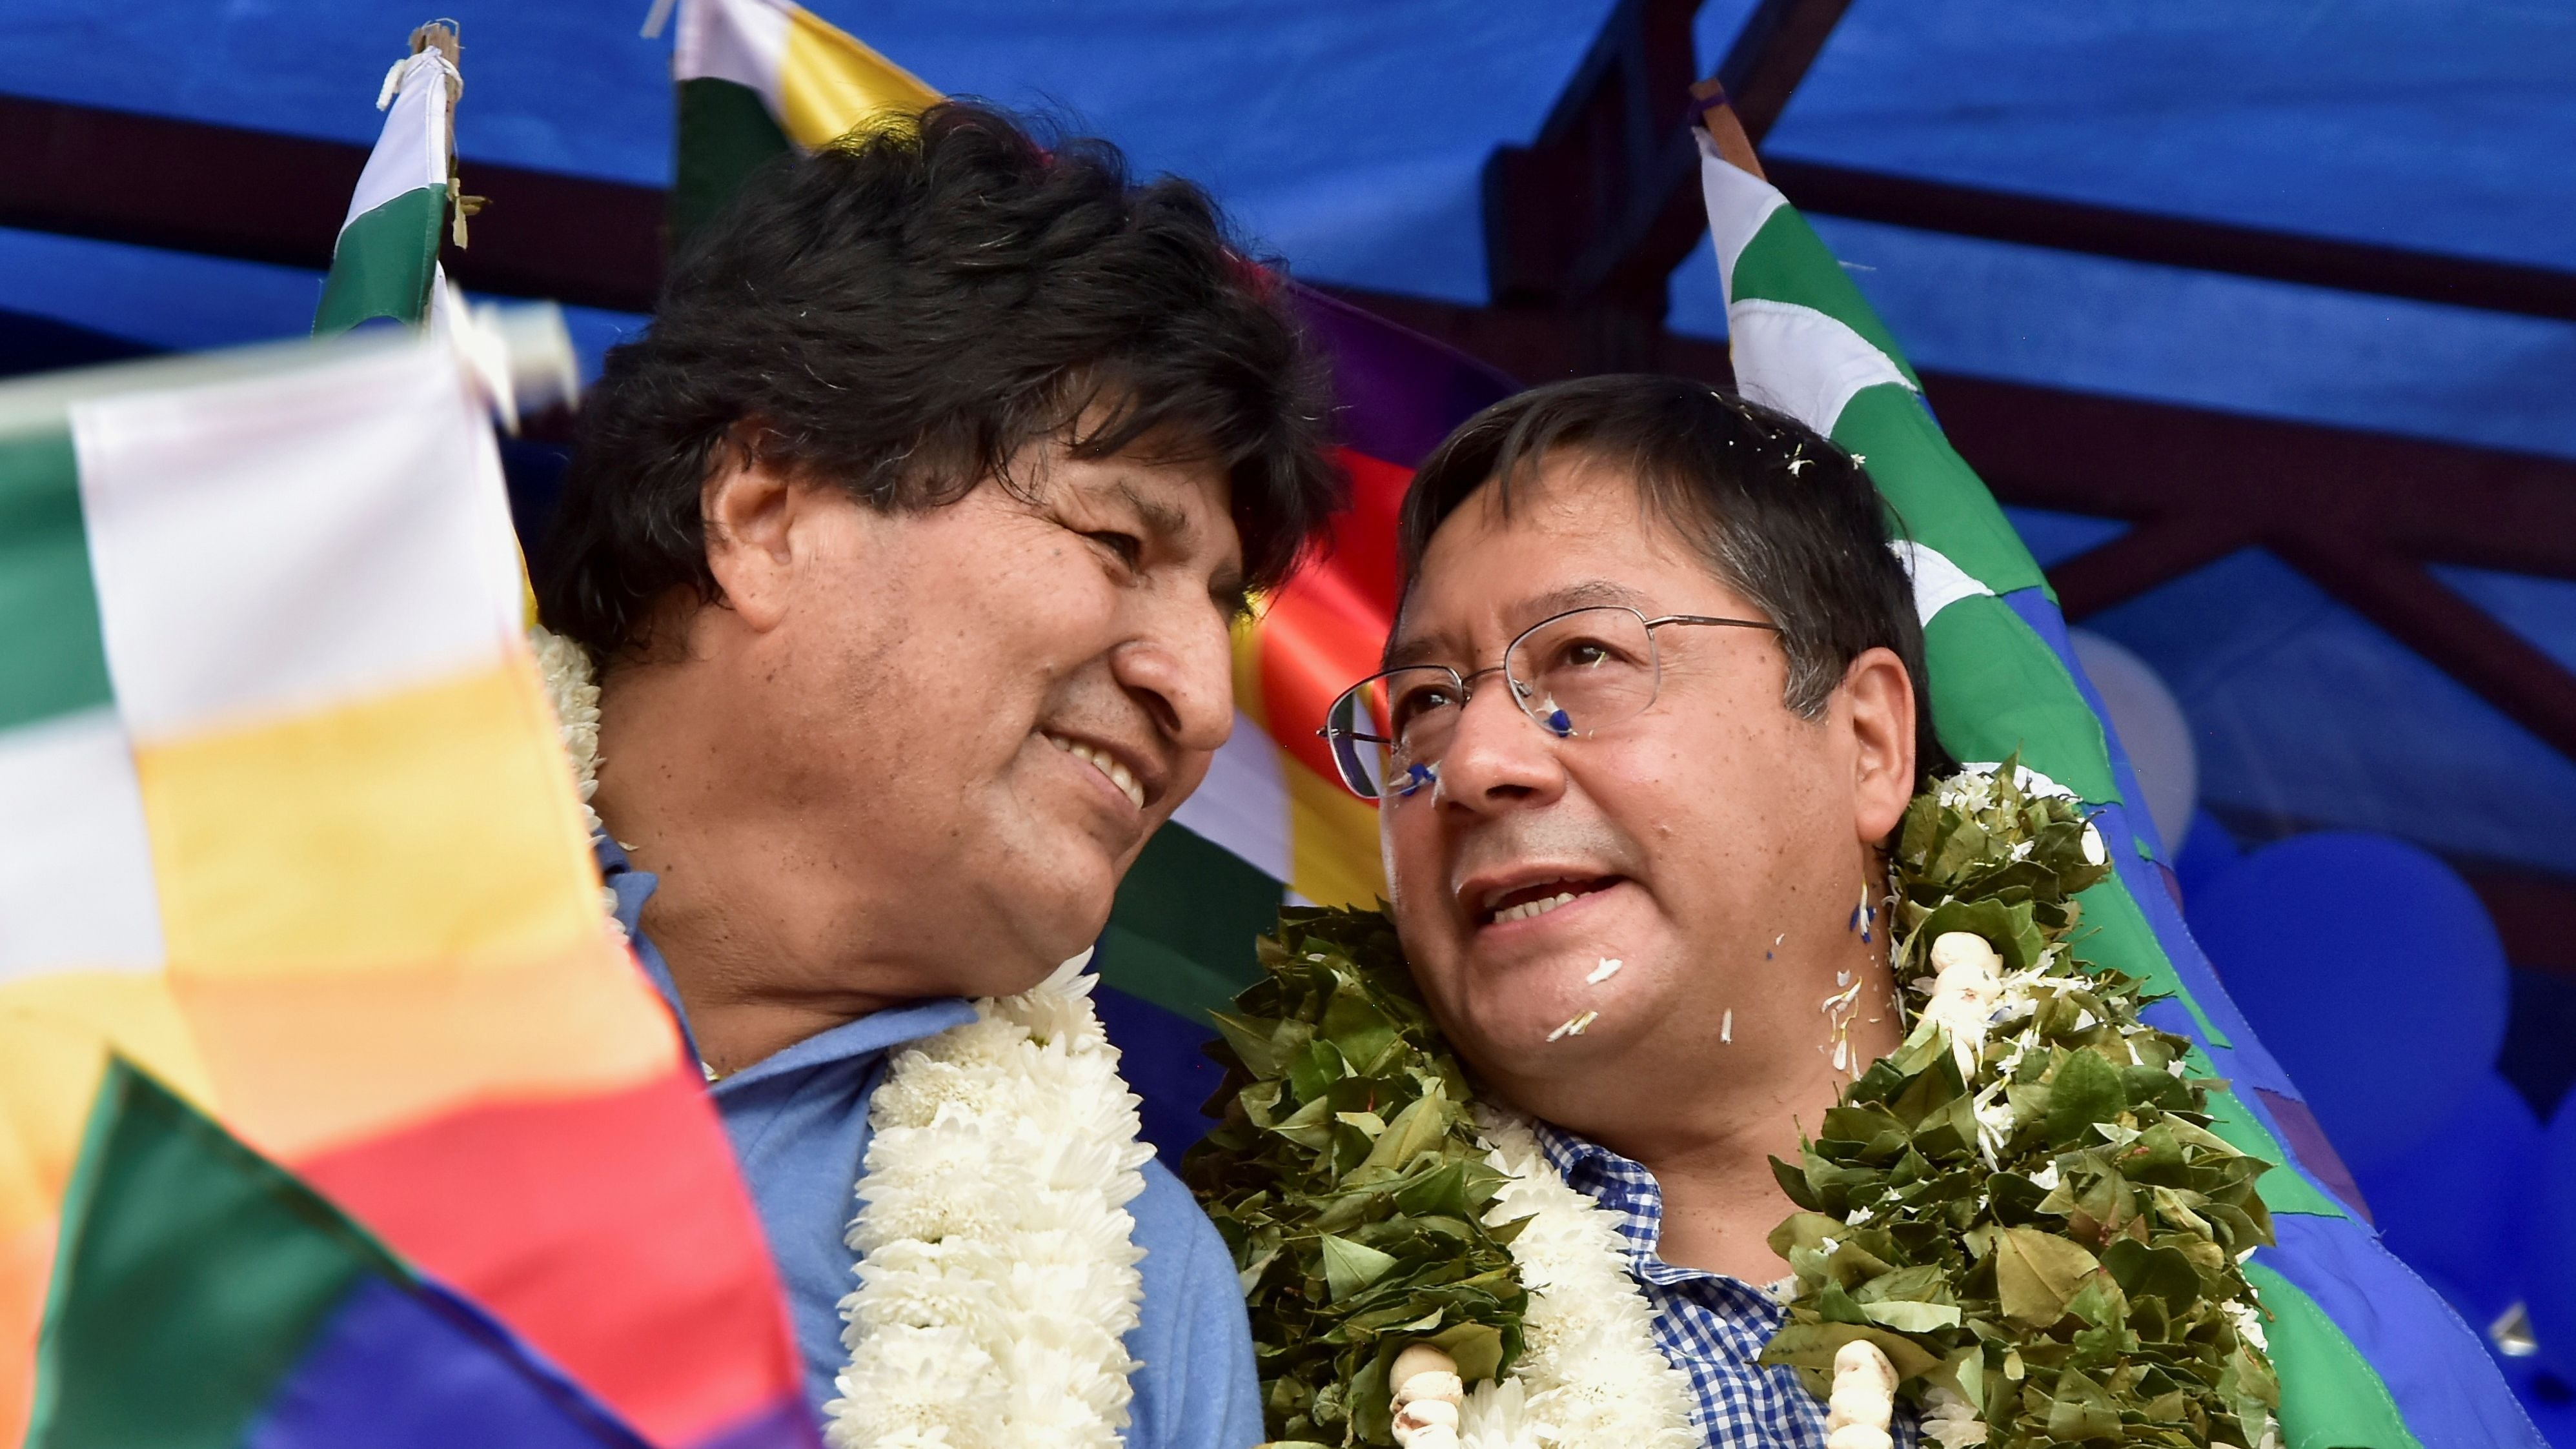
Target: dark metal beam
(1770, 56)
(2176, 241)
(1594, 215)
(264, 197)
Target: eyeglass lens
(1572, 675)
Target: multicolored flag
(385, 263)
(754, 78)
(296, 910)
(2368, 1356)
(1272, 822)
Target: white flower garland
(1590, 1375)
(997, 1271)
(997, 1276)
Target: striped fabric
(2003, 680)
(285, 824)
(1710, 1326)
(1273, 821)
(756, 76)
(385, 263)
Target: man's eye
(1413, 704)
(1130, 549)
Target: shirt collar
(1629, 1192)
(876, 1032)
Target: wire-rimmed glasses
(1573, 674)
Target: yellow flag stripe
(830, 83)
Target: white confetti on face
(1576, 1026)
(1608, 968)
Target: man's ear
(1880, 697)
(746, 508)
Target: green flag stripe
(1999, 690)
(725, 134)
(385, 262)
(1787, 262)
(53, 656)
(1937, 498)
(2331, 1398)
(191, 1277)
(1181, 934)
(2117, 935)
(2283, 1189)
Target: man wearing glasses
(1655, 697)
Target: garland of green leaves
(2022, 1207)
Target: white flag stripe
(76, 883)
(743, 41)
(1801, 361)
(298, 540)
(412, 152)
(1243, 805)
(1738, 203)
(1938, 583)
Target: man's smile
(1525, 893)
(1127, 779)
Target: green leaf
(2081, 1409)
(1357, 1029)
(2164, 1273)
(1911, 1317)
(2085, 1090)
(1350, 1267)
(1813, 1345)
(2037, 1275)
(1417, 1129)
(1250, 1041)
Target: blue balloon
(2549, 1293)
(2372, 972)
(2460, 1206)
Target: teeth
(1526, 909)
(1119, 775)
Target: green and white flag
(385, 263)
(1804, 341)
(756, 77)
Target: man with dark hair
(1654, 703)
(905, 547)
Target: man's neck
(758, 961)
(1712, 1159)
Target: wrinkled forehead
(1570, 535)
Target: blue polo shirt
(799, 1123)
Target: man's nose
(1497, 757)
(1182, 671)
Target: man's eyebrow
(1170, 525)
(1585, 594)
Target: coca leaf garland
(2047, 1248)
(1347, 1178)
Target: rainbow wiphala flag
(332, 1109)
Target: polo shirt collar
(878, 1031)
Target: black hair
(1779, 514)
(906, 310)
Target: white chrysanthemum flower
(999, 1273)
(1590, 1370)
(2248, 1321)
(1949, 1421)
(574, 693)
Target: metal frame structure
(1584, 227)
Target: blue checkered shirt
(1712, 1327)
